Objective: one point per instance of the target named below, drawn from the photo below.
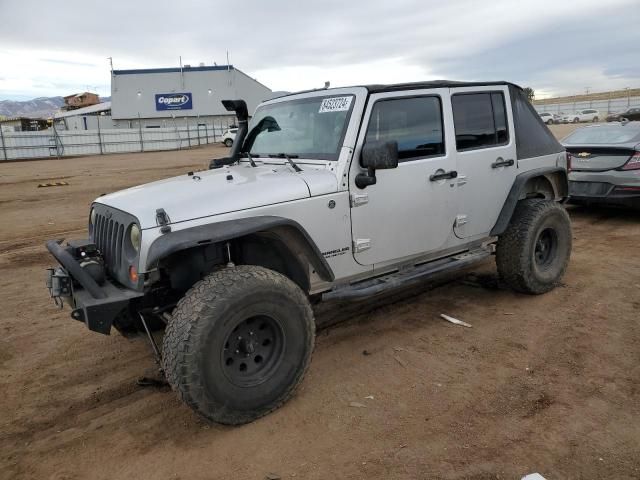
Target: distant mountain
(38, 107)
(41, 107)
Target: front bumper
(95, 305)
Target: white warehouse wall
(133, 92)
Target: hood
(222, 190)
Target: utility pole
(628, 97)
(181, 73)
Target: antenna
(110, 63)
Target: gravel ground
(539, 383)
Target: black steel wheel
(239, 343)
(546, 247)
(253, 351)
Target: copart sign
(174, 101)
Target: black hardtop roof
(431, 84)
(396, 87)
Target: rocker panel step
(404, 277)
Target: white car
(588, 115)
(229, 136)
(548, 118)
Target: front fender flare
(227, 230)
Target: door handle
(443, 175)
(501, 162)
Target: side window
(480, 120)
(415, 123)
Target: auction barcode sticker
(335, 104)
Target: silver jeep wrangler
(334, 194)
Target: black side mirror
(376, 155)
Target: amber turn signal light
(133, 274)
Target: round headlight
(135, 237)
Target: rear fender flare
(554, 176)
(289, 231)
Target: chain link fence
(61, 143)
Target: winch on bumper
(80, 280)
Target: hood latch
(163, 220)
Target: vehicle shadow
(597, 213)
(331, 313)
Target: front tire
(533, 253)
(239, 343)
(228, 143)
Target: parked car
(605, 164)
(333, 194)
(629, 114)
(549, 118)
(229, 136)
(588, 115)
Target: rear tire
(595, 119)
(239, 343)
(533, 253)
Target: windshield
(604, 135)
(312, 127)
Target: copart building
(181, 96)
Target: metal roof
(100, 107)
(174, 70)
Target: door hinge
(361, 244)
(358, 199)
(462, 180)
(460, 220)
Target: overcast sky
(555, 46)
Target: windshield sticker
(335, 104)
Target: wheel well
(278, 249)
(550, 186)
(268, 250)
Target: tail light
(633, 163)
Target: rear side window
(415, 123)
(480, 120)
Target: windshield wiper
(288, 157)
(248, 155)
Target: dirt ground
(545, 384)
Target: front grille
(108, 235)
